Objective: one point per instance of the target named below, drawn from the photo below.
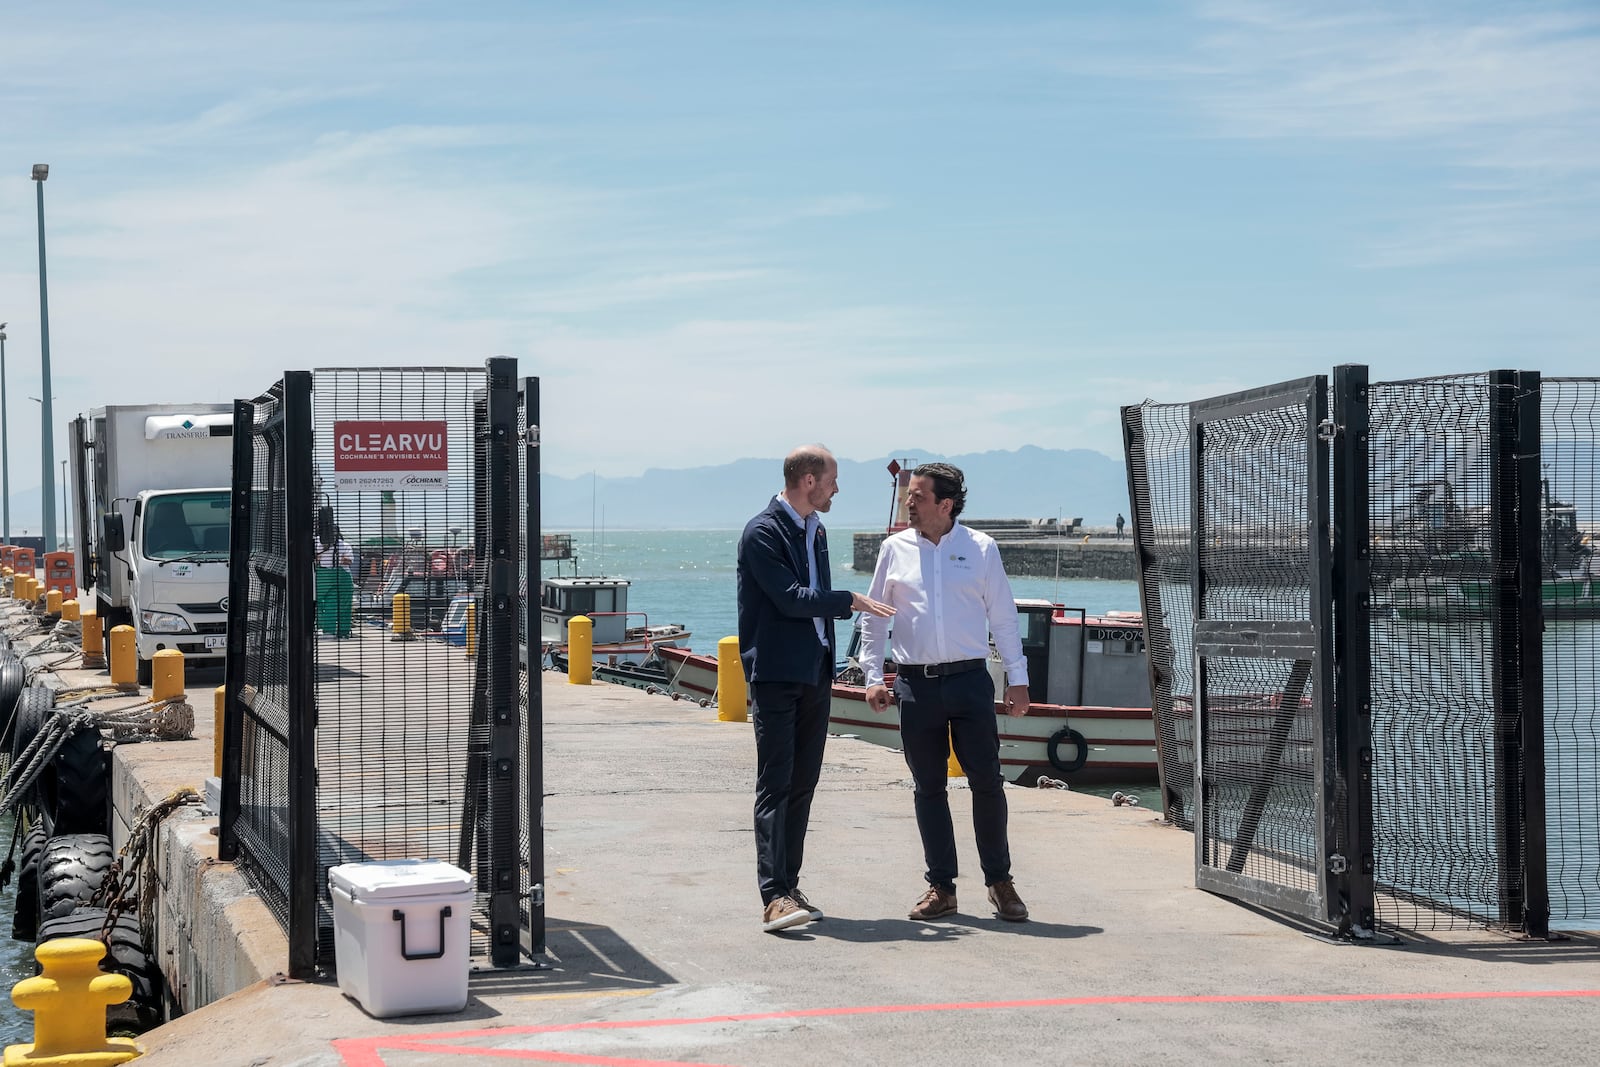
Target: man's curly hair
(948, 484)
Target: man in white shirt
(949, 592)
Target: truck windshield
(187, 524)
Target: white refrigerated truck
(153, 484)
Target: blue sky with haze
(719, 230)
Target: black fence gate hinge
(1328, 430)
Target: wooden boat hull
(1119, 744)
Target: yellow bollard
(70, 611)
(124, 656)
(69, 1001)
(732, 705)
(220, 705)
(580, 650)
(94, 637)
(472, 628)
(20, 587)
(400, 618)
(954, 770)
(52, 602)
(166, 675)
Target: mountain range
(1028, 483)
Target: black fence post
(244, 439)
(1530, 647)
(1352, 647)
(500, 660)
(300, 514)
(1205, 818)
(533, 772)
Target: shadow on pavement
(863, 931)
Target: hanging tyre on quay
(25, 916)
(74, 789)
(12, 680)
(32, 708)
(125, 955)
(70, 872)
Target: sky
(716, 231)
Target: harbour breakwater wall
(1098, 557)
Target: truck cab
(176, 560)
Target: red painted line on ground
(536, 1055)
(366, 1052)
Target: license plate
(216, 640)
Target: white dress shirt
(948, 598)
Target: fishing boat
(1090, 720)
(620, 635)
(1450, 573)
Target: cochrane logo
(422, 479)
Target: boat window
(605, 600)
(580, 601)
(1034, 628)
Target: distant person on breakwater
(949, 593)
(1120, 522)
(787, 605)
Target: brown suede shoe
(935, 904)
(1007, 905)
(782, 913)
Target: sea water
(687, 576)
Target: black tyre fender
(72, 869)
(25, 916)
(33, 707)
(75, 788)
(125, 955)
(13, 677)
(1072, 737)
(27, 717)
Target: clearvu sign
(390, 454)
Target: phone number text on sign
(390, 454)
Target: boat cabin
(603, 600)
(1082, 660)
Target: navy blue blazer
(777, 639)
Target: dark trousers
(791, 723)
(937, 714)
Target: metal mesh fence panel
(1261, 634)
(394, 684)
(1156, 444)
(1570, 591)
(1437, 808)
(258, 666)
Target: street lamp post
(66, 512)
(5, 453)
(41, 171)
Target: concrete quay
(1092, 554)
(656, 956)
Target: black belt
(935, 670)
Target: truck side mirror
(116, 537)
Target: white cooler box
(401, 930)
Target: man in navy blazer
(787, 605)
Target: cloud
(1503, 98)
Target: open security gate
(1266, 828)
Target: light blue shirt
(809, 524)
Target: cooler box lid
(394, 879)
